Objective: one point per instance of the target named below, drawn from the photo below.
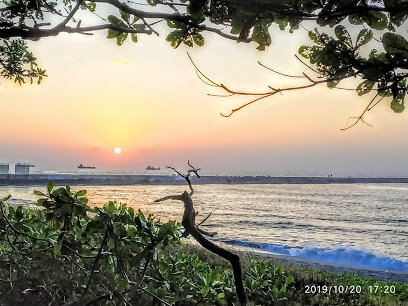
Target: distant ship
(152, 168)
(81, 166)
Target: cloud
(123, 62)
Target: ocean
(362, 225)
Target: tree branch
(192, 229)
(96, 259)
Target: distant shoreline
(120, 179)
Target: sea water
(353, 224)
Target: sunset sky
(146, 99)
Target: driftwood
(192, 229)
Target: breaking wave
(343, 256)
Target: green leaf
(120, 39)
(171, 24)
(131, 212)
(188, 42)
(134, 37)
(221, 295)
(163, 231)
(50, 187)
(342, 34)
(205, 289)
(332, 83)
(81, 193)
(261, 34)
(39, 193)
(111, 243)
(19, 213)
(199, 39)
(196, 8)
(365, 87)
(110, 208)
(237, 24)
(57, 249)
(364, 37)
(385, 93)
(125, 16)
(355, 19)
(289, 280)
(114, 20)
(376, 20)
(395, 44)
(397, 105)
(113, 33)
(176, 38)
(91, 6)
(304, 51)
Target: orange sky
(146, 99)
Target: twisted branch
(192, 229)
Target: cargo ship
(81, 166)
(152, 168)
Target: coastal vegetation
(65, 253)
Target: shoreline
(389, 275)
(378, 274)
(128, 179)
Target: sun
(118, 150)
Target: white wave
(343, 256)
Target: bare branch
(204, 232)
(96, 259)
(370, 108)
(314, 70)
(280, 73)
(249, 103)
(187, 176)
(36, 33)
(172, 197)
(199, 72)
(150, 27)
(205, 219)
(69, 17)
(361, 117)
(192, 229)
(194, 170)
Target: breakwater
(118, 179)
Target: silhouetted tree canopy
(368, 40)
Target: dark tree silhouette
(368, 42)
(198, 234)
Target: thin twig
(280, 73)
(205, 219)
(314, 70)
(361, 117)
(96, 259)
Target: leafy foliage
(337, 56)
(64, 252)
(340, 58)
(18, 63)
